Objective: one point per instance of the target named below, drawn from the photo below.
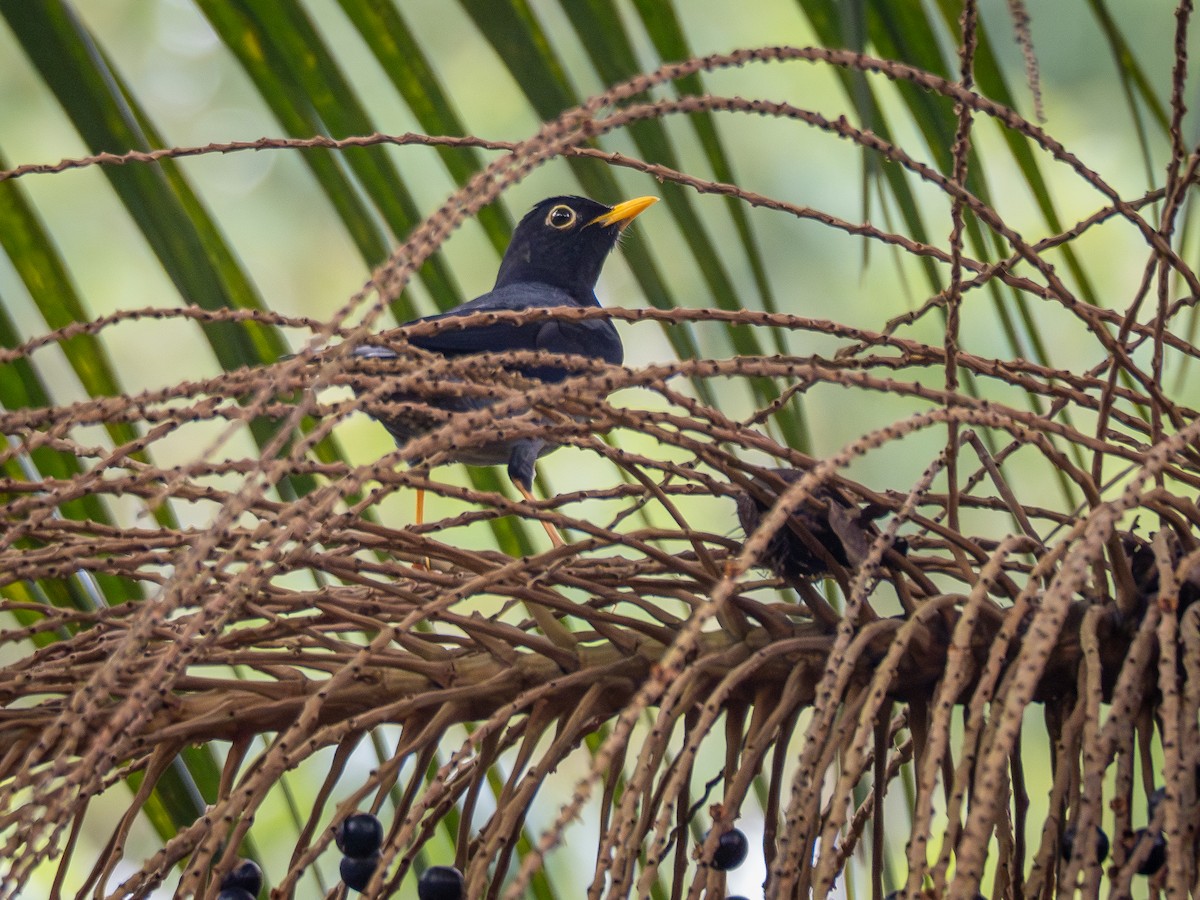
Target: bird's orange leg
(551, 531)
(420, 517)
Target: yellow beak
(624, 213)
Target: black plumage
(554, 259)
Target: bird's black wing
(596, 338)
(496, 336)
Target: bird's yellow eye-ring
(561, 217)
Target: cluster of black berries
(243, 882)
(359, 837)
(1152, 859)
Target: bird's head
(563, 241)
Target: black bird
(553, 260)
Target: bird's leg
(520, 469)
(420, 520)
(551, 531)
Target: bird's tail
(370, 351)
(367, 351)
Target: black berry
(1157, 857)
(1067, 846)
(440, 883)
(245, 875)
(356, 871)
(359, 836)
(731, 851)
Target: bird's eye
(561, 217)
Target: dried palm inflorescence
(896, 664)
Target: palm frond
(219, 620)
